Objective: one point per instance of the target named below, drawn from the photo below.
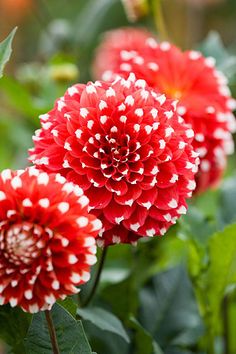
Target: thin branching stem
(97, 278)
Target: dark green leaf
(143, 340)
(70, 334)
(69, 305)
(104, 342)
(168, 308)
(5, 50)
(122, 306)
(14, 324)
(104, 320)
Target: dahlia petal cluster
(47, 239)
(202, 91)
(128, 149)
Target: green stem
(52, 332)
(97, 278)
(225, 315)
(159, 19)
(209, 336)
(211, 349)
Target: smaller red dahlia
(119, 44)
(47, 239)
(125, 145)
(202, 91)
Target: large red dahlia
(47, 239)
(125, 145)
(202, 91)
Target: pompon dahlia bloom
(125, 145)
(47, 239)
(204, 98)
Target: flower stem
(159, 19)
(52, 332)
(97, 277)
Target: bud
(64, 72)
(135, 9)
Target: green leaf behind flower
(5, 50)
(104, 320)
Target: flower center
(116, 153)
(174, 93)
(22, 243)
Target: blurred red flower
(202, 91)
(15, 9)
(120, 40)
(47, 239)
(125, 145)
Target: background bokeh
(53, 48)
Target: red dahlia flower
(125, 145)
(204, 98)
(119, 44)
(47, 239)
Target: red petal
(99, 197)
(118, 187)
